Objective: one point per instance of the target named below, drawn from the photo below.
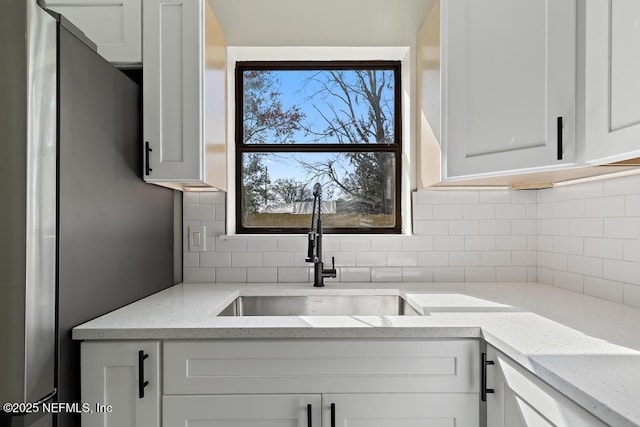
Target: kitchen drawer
(320, 366)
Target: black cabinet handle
(559, 126)
(333, 415)
(147, 150)
(483, 377)
(141, 382)
(309, 415)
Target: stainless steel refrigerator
(80, 233)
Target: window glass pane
(318, 106)
(357, 189)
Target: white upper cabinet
(508, 85)
(115, 26)
(184, 95)
(612, 80)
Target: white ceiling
(321, 22)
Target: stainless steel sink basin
(324, 305)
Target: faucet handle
(330, 272)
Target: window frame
(241, 148)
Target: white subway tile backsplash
(355, 245)
(626, 185)
(568, 245)
(385, 244)
(464, 196)
(524, 258)
(602, 288)
(512, 274)
(448, 243)
(278, 259)
(262, 245)
(448, 274)
(495, 226)
(479, 211)
(569, 209)
(632, 295)
(622, 271)
(417, 243)
(587, 266)
(402, 259)
(480, 243)
(231, 275)
(448, 211)
(386, 274)
(632, 204)
(231, 245)
(262, 275)
(571, 281)
(422, 212)
(496, 196)
(198, 275)
(371, 259)
(198, 213)
(417, 274)
(190, 198)
(433, 197)
(583, 237)
(585, 191)
(480, 274)
(586, 227)
(464, 227)
(433, 259)
(215, 259)
(553, 260)
(511, 243)
(603, 248)
(604, 207)
(190, 259)
(246, 259)
(294, 274)
(355, 274)
(495, 258)
(212, 198)
(431, 228)
(511, 211)
(464, 259)
(621, 228)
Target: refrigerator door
(28, 216)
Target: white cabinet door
(241, 411)
(172, 55)
(521, 400)
(110, 376)
(508, 75)
(612, 85)
(401, 410)
(115, 26)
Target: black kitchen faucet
(314, 251)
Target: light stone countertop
(587, 348)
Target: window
(336, 123)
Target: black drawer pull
(147, 166)
(309, 415)
(141, 382)
(333, 415)
(560, 127)
(483, 377)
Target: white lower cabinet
(280, 410)
(123, 377)
(400, 410)
(522, 400)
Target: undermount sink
(324, 305)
